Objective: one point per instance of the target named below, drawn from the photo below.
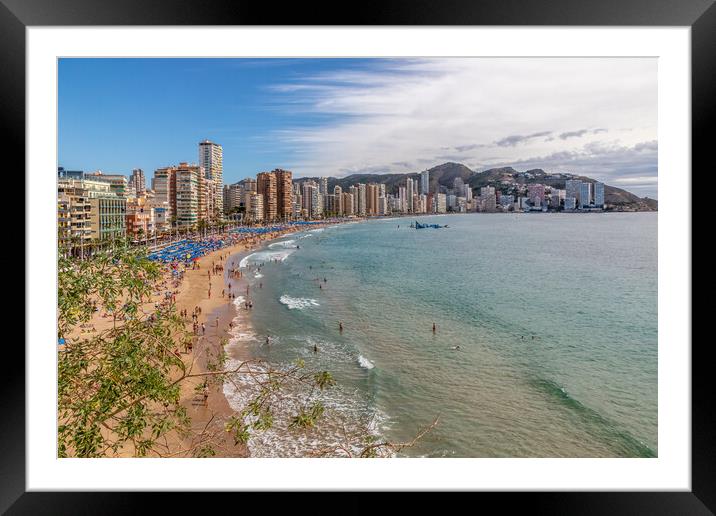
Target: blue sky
(339, 116)
(120, 114)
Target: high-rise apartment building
(362, 199)
(73, 214)
(372, 194)
(585, 195)
(338, 194)
(467, 192)
(440, 203)
(136, 186)
(211, 159)
(458, 185)
(599, 195)
(284, 197)
(267, 187)
(254, 206)
(191, 206)
(348, 204)
(573, 189)
(91, 208)
(425, 182)
(164, 186)
(409, 193)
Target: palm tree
(202, 225)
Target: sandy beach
(217, 312)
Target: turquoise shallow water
(555, 316)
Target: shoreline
(216, 314)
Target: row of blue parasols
(189, 250)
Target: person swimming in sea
(456, 348)
(434, 327)
(340, 326)
(315, 348)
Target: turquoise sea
(555, 316)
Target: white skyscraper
(409, 195)
(585, 195)
(467, 192)
(599, 195)
(211, 156)
(425, 182)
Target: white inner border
(670, 471)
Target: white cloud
(403, 115)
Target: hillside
(501, 178)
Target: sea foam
(297, 303)
(265, 256)
(365, 363)
(284, 243)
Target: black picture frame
(700, 15)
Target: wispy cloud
(403, 115)
(512, 140)
(580, 133)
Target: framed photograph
(417, 249)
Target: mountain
(501, 178)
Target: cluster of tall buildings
(98, 206)
(273, 196)
(577, 195)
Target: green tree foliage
(116, 388)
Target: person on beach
(222, 292)
(203, 329)
(205, 392)
(217, 322)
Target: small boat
(418, 225)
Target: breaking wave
(297, 303)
